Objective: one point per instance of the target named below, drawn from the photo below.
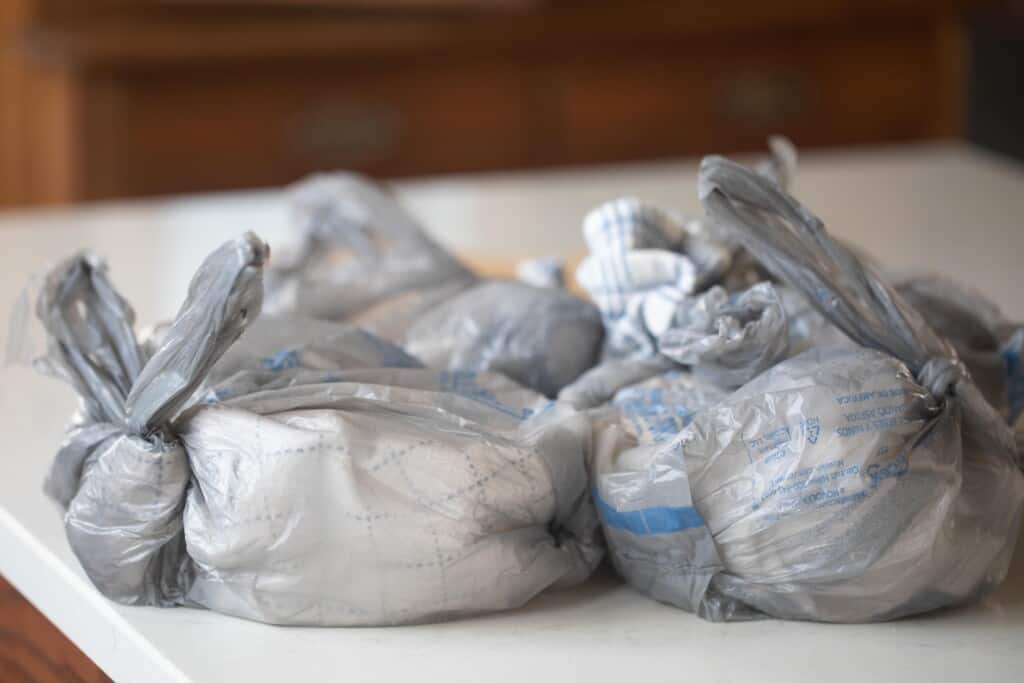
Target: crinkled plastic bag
(599, 384)
(365, 261)
(723, 339)
(279, 342)
(748, 339)
(657, 408)
(304, 495)
(541, 338)
(845, 484)
(359, 256)
(728, 339)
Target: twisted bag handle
(225, 295)
(90, 341)
(335, 209)
(793, 245)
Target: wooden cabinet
(839, 88)
(143, 98)
(222, 128)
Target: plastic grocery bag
(364, 260)
(847, 484)
(295, 493)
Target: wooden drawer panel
(186, 130)
(157, 130)
(707, 97)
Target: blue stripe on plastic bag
(656, 520)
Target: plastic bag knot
(940, 376)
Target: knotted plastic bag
(121, 474)
(363, 259)
(303, 494)
(845, 484)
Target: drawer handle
(346, 133)
(764, 98)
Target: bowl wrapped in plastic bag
(297, 492)
(363, 259)
(846, 484)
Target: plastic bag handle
(792, 243)
(91, 343)
(225, 295)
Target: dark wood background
(113, 98)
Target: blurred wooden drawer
(144, 100)
(718, 96)
(154, 132)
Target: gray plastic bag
(728, 339)
(599, 384)
(277, 342)
(120, 474)
(723, 339)
(542, 338)
(658, 408)
(845, 484)
(303, 494)
(737, 345)
(364, 260)
(358, 257)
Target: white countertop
(943, 207)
